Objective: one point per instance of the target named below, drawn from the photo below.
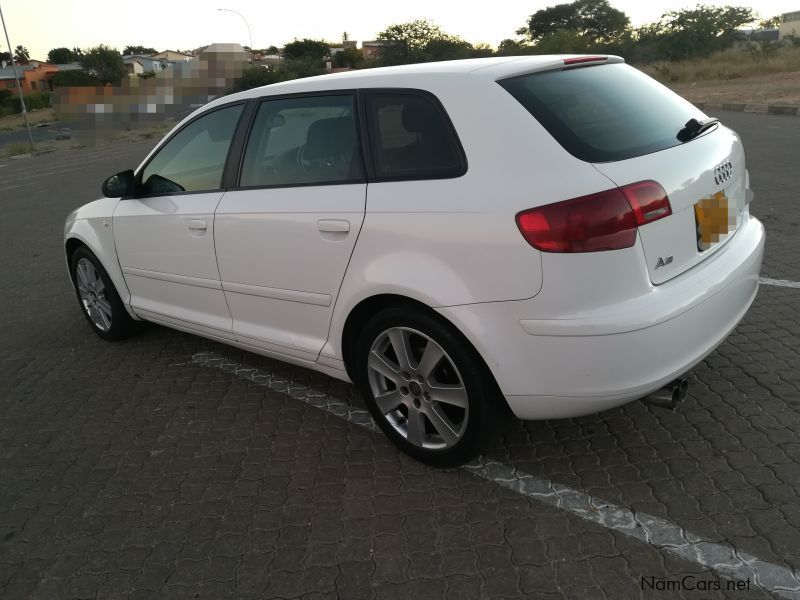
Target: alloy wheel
(92, 291)
(417, 388)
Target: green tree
(60, 56)
(771, 22)
(306, 49)
(104, 63)
(349, 57)
(5, 56)
(481, 51)
(138, 50)
(509, 47)
(418, 41)
(300, 67)
(448, 48)
(254, 77)
(595, 20)
(564, 41)
(21, 55)
(695, 32)
(74, 78)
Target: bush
(9, 102)
(255, 77)
(74, 78)
(37, 100)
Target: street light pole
(16, 76)
(249, 33)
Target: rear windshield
(604, 113)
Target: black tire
(482, 395)
(122, 325)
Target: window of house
(411, 137)
(194, 159)
(303, 141)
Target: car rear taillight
(648, 200)
(603, 221)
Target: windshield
(604, 113)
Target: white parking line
(779, 282)
(657, 532)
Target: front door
(285, 235)
(165, 237)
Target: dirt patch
(777, 88)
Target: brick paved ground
(127, 470)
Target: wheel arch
(366, 308)
(99, 240)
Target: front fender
(92, 225)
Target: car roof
(489, 68)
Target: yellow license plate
(713, 220)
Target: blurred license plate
(714, 220)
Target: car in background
(551, 236)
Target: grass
(736, 63)
(14, 149)
(12, 122)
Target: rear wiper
(693, 128)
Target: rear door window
(604, 113)
(303, 141)
(411, 137)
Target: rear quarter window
(603, 113)
(411, 137)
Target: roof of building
(73, 66)
(174, 52)
(8, 72)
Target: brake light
(583, 59)
(604, 221)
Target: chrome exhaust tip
(670, 395)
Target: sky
(44, 24)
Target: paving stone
(130, 471)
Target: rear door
(285, 235)
(627, 124)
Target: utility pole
(16, 76)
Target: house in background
(36, 76)
(790, 25)
(139, 64)
(343, 46)
(270, 61)
(173, 56)
(371, 49)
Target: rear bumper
(570, 366)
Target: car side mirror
(120, 185)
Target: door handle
(333, 225)
(197, 224)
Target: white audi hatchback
(554, 235)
